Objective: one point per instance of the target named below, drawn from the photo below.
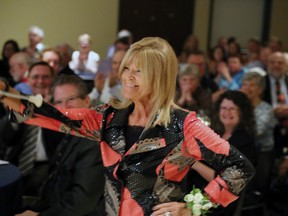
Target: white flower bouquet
(198, 202)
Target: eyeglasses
(36, 77)
(229, 109)
(69, 100)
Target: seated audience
(30, 147)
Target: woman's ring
(167, 214)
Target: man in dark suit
(276, 93)
(76, 181)
(30, 147)
(14, 137)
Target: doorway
(169, 19)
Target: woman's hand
(174, 209)
(83, 56)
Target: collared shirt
(40, 150)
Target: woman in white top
(84, 60)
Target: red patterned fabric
(152, 170)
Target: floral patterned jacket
(151, 171)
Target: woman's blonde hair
(158, 64)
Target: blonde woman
(148, 144)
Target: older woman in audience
(253, 86)
(191, 95)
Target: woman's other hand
(174, 208)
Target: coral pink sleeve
(218, 192)
(89, 122)
(194, 132)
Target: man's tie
(279, 94)
(281, 100)
(27, 156)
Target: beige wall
(62, 21)
(278, 25)
(65, 20)
(201, 22)
(228, 20)
(279, 21)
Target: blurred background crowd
(239, 90)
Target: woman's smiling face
(132, 82)
(229, 114)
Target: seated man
(30, 147)
(76, 181)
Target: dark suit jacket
(280, 139)
(267, 91)
(76, 181)
(13, 140)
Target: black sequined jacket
(152, 170)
